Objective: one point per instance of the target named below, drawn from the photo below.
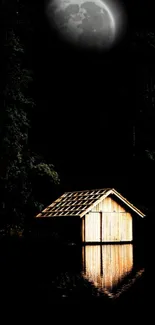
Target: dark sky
(87, 104)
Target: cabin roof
(79, 203)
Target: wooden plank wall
(92, 227)
(116, 223)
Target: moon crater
(86, 24)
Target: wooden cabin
(95, 216)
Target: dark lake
(44, 274)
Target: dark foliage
(20, 168)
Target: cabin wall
(92, 227)
(114, 224)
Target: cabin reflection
(107, 265)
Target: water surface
(43, 273)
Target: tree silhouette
(18, 164)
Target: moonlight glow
(91, 24)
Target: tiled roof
(80, 202)
(73, 203)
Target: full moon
(87, 24)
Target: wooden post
(81, 230)
(101, 226)
(84, 229)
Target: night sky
(87, 104)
